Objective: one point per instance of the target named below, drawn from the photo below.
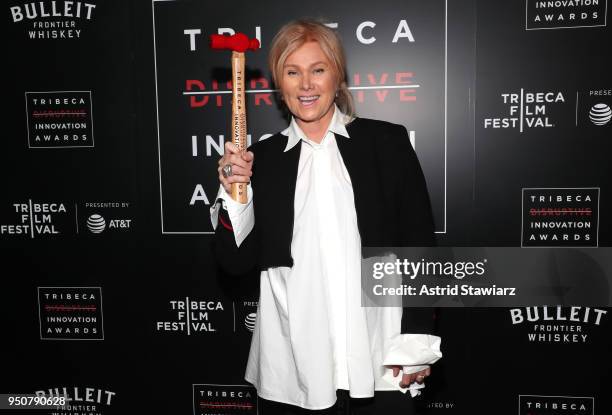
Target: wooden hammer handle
(239, 124)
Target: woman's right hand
(242, 164)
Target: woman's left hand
(408, 378)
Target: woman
(320, 190)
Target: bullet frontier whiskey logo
(53, 19)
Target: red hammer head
(238, 42)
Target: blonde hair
(293, 35)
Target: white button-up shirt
(311, 334)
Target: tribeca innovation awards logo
(70, 313)
(564, 14)
(560, 217)
(59, 119)
(193, 95)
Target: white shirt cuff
(413, 369)
(414, 387)
(241, 215)
(414, 352)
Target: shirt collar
(337, 125)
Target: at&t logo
(249, 321)
(600, 114)
(96, 223)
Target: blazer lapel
(275, 201)
(361, 160)
(288, 162)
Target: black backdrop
(119, 215)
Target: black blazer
(391, 201)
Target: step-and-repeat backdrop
(115, 115)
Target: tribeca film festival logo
(191, 316)
(105, 217)
(564, 14)
(563, 325)
(80, 400)
(556, 405)
(211, 399)
(59, 119)
(526, 110)
(70, 313)
(53, 219)
(33, 219)
(53, 19)
(563, 217)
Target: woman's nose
(306, 82)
